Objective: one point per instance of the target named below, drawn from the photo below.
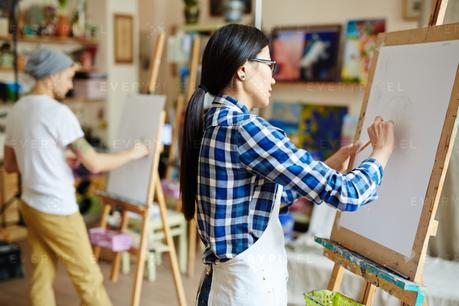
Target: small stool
(156, 247)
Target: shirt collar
(231, 103)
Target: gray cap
(44, 62)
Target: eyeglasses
(270, 63)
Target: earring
(242, 76)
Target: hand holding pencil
(381, 135)
(382, 139)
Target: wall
(302, 12)
(122, 78)
(168, 13)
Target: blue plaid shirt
(243, 161)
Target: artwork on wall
(308, 53)
(411, 9)
(216, 7)
(313, 127)
(124, 40)
(286, 116)
(360, 43)
(320, 129)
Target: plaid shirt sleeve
(268, 152)
(288, 196)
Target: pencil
(364, 147)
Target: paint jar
(233, 10)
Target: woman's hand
(382, 139)
(340, 160)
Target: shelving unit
(47, 40)
(204, 28)
(322, 85)
(6, 69)
(51, 40)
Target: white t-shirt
(39, 128)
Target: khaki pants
(57, 237)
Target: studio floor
(160, 292)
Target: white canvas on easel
(139, 123)
(414, 80)
(412, 85)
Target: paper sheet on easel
(139, 121)
(412, 85)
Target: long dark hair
(227, 50)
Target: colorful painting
(320, 129)
(286, 116)
(307, 53)
(359, 48)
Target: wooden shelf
(7, 69)
(52, 40)
(320, 85)
(201, 28)
(10, 69)
(81, 100)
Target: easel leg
(117, 259)
(170, 244)
(138, 278)
(336, 278)
(368, 294)
(103, 224)
(191, 246)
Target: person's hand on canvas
(382, 139)
(139, 150)
(340, 160)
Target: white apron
(257, 276)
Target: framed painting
(307, 54)
(123, 40)
(360, 43)
(411, 9)
(320, 129)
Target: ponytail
(191, 143)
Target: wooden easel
(174, 147)
(155, 62)
(181, 102)
(173, 152)
(408, 292)
(154, 191)
(192, 234)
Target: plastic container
(109, 239)
(328, 298)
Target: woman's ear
(241, 73)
